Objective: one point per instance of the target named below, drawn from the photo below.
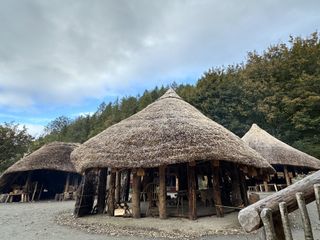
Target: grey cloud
(67, 51)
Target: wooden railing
(272, 211)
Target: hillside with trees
(278, 89)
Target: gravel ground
(53, 220)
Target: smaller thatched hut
(42, 174)
(287, 160)
(168, 146)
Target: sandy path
(24, 221)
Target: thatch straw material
(167, 131)
(53, 156)
(277, 152)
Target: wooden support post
(118, 186)
(243, 188)
(111, 195)
(66, 188)
(26, 187)
(102, 189)
(236, 192)
(317, 196)
(285, 221)
(266, 187)
(162, 193)
(286, 175)
(124, 192)
(136, 211)
(40, 192)
(304, 216)
(266, 217)
(192, 191)
(34, 191)
(216, 188)
(85, 195)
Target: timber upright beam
(236, 191)
(111, 195)
(243, 188)
(162, 193)
(216, 188)
(102, 188)
(136, 211)
(118, 186)
(27, 186)
(286, 175)
(192, 191)
(66, 188)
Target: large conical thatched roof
(277, 152)
(167, 131)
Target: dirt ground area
(54, 220)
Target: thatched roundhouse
(170, 137)
(280, 155)
(42, 174)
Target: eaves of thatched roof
(277, 152)
(166, 132)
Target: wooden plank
(216, 188)
(162, 193)
(304, 216)
(136, 211)
(249, 217)
(111, 195)
(192, 192)
(102, 190)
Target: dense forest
(278, 89)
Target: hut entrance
(40, 185)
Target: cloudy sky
(64, 57)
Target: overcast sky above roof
(66, 57)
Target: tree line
(279, 89)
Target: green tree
(14, 142)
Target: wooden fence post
(304, 216)
(317, 195)
(285, 220)
(266, 217)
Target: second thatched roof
(52, 156)
(167, 131)
(276, 151)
